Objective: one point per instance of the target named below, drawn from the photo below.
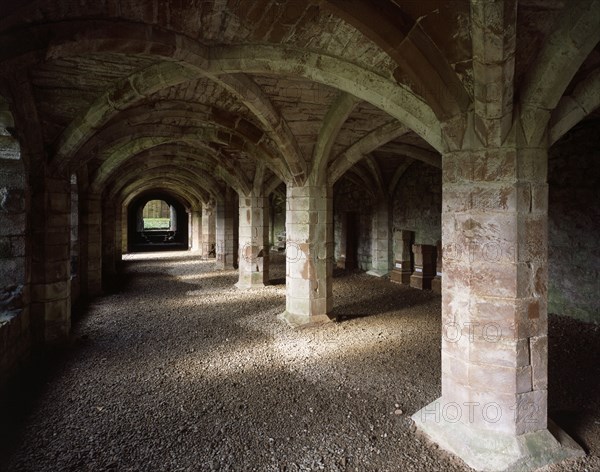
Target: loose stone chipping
(181, 371)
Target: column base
(249, 286)
(436, 285)
(494, 451)
(400, 277)
(297, 321)
(378, 272)
(422, 282)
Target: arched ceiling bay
(216, 88)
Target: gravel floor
(183, 372)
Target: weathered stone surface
(203, 99)
(404, 258)
(417, 203)
(253, 258)
(436, 283)
(382, 240)
(424, 269)
(493, 287)
(492, 450)
(354, 216)
(226, 232)
(309, 254)
(208, 231)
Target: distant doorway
(157, 224)
(157, 216)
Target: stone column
(225, 251)
(436, 283)
(309, 254)
(173, 218)
(381, 244)
(118, 257)
(109, 262)
(51, 259)
(341, 222)
(124, 230)
(403, 264)
(196, 230)
(272, 241)
(424, 266)
(493, 408)
(91, 244)
(208, 229)
(253, 243)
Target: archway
(157, 222)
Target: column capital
(495, 165)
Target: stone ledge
(493, 451)
(304, 321)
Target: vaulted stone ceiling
(243, 93)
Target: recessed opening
(157, 216)
(157, 223)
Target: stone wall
(75, 288)
(15, 339)
(349, 198)
(417, 204)
(574, 225)
(157, 209)
(277, 222)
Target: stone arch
(363, 178)
(159, 184)
(142, 84)
(126, 93)
(400, 171)
(142, 166)
(577, 33)
(143, 239)
(194, 58)
(376, 138)
(180, 186)
(390, 97)
(188, 181)
(573, 108)
(167, 186)
(211, 123)
(275, 124)
(401, 37)
(124, 149)
(375, 175)
(334, 120)
(272, 184)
